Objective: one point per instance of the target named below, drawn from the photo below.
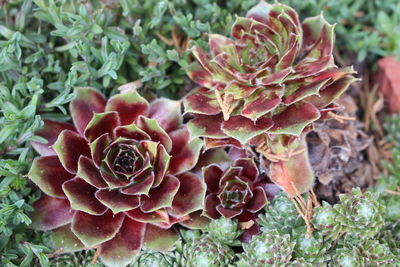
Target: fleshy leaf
(159, 216)
(116, 201)
(260, 104)
(159, 239)
(97, 148)
(161, 196)
(228, 213)
(161, 165)
(167, 113)
(331, 92)
(212, 174)
(63, 238)
(185, 152)
(259, 12)
(295, 176)
(243, 129)
(69, 147)
(294, 119)
(206, 126)
(92, 230)
(142, 183)
(102, 123)
(81, 196)
(199, 75)
(50, 132)
(249, 168)
(122, 249)
(210, 207)
(128, 105)
(190, 196)
(201, 101)
(51, 213)
(156, 133)
(131, 131)
(87, 102)
(88, 171)
(258, 200)
(196, 221)
(48, 173)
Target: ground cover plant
(158, 133)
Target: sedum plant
(265, 87)
(118, 177)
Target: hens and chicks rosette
(265, 86)
(118, 177)
(122, 174)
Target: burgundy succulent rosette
(118, 177)
(237, 192)
(274, 76)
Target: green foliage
(225, 231)
(48, 47)
(390, 180)
(366, 28)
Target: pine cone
(268, 249)
(225, 231)
(206, 253)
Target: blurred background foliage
(47, 47)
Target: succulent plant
(374, 253)
(154, 259)
(268, 249)
(281, 216)
(266, 85)
(118, 177)
(310, 250)
(235, 193)
(207, 252)
(225, 231)
(359, 214)
(346, 257)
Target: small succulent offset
(268, 249)
(359, 215)
(118, 177)
(235, 193)
(266, 86)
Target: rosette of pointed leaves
(206, 252)
(374, 253)
(118, 177)
(154, 259)
(275, 76)
(310, 250)
(236, 192)
(281, 216)
(346, 257)
(268, 249)
(225, 231)
(359, 215)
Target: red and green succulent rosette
(268, 83)
(118, 177)
(237, 192)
